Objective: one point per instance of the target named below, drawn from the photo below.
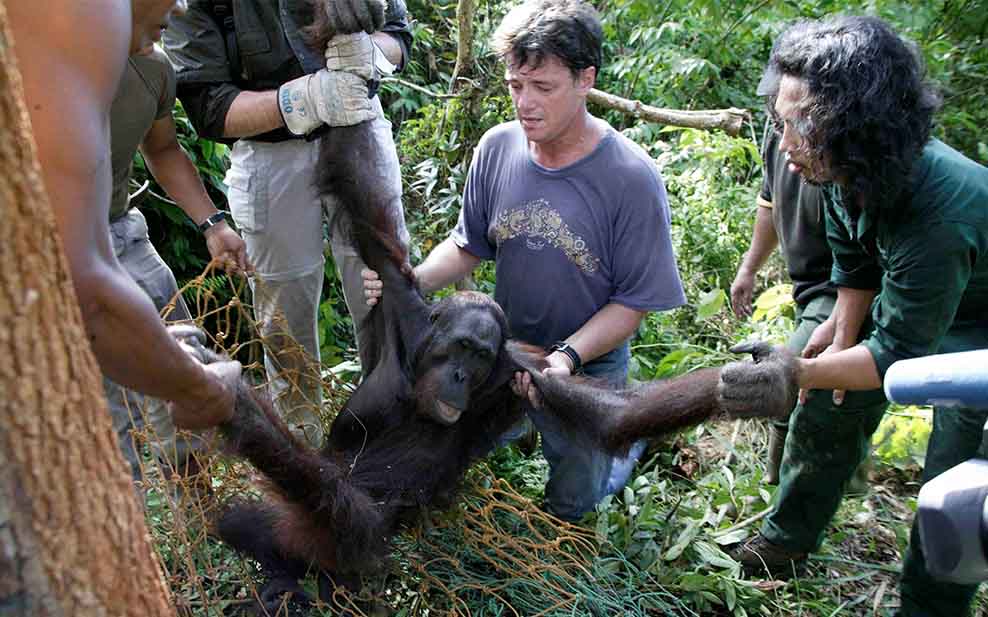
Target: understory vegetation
(657, 548)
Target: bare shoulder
(78, 46)
(71, 55)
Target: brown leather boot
(758, 556)
(776, 445)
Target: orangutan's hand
(768, 385)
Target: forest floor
(858, 565)
(658, 548)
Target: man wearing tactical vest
(247, 76)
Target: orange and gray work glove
(360, 55)
(349, 16)
(338, 95)
(765, 386)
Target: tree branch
(418, 88)
(728, 120)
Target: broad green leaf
(730, 594)
(712, 555)
(710, 303)
(697, 582)
(684, 539)
(738, 535)
(765, 495)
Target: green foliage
(681, 54)
(435, 150)
(526, 474)
(900, 440)
(675, 531)
(335, 326)
(711, 179)
(775, 302)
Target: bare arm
(849, 313)
(850, 369)
(834, 361)
(70, 81)
(839, 332)
(253, 113)
(842, 328)
(763, 242)
(609, 327)
(171, 166)
(446, 264)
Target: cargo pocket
(128, 230)
(248, 204)
(118, 237)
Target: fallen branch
(741, 525)
(856, 564)
(728, 120)
(418, 88)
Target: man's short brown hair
(567, 29)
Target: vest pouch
(263, 50)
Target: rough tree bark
(72, 537)
(465, 11)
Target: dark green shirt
(927, 254)
(797, 216)
(146, 94)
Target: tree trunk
(72, 537)
(465, 11)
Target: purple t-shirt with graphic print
(568, 241)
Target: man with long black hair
(907, 220)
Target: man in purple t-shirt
(576, 219)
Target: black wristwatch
(567, 349)
(214, 219)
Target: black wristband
(567, 349)
(214, 219)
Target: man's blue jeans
(581, 474)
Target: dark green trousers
(824, 447)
